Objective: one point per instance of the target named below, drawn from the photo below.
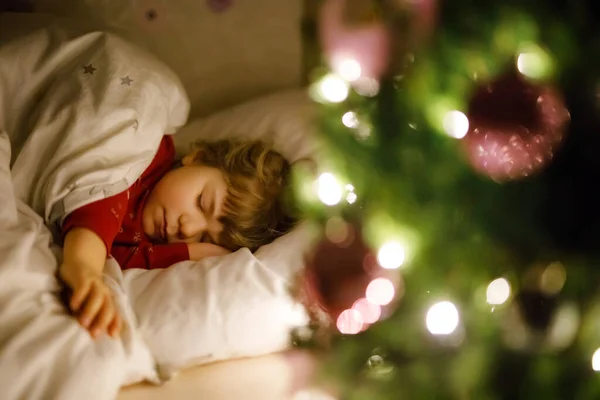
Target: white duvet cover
(81, 116)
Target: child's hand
(198, 251)
(91, 300)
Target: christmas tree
(458, 198)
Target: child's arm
(198, 251)
(155, 256)
(83, 262)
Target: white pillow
(224, 51)
(238, 305)
(221, 308)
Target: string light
(329, 190)
(456, 124)
(347, 68)
(350, 120)
(533, 62)
(332, 88)
(350, 322)
(370, 312)
(368, 87)
(351, 197)
(553, 279)
(380, 291)
(442, 318)
(391, 255)
(498, 291)
(596, 360)
(337, 230)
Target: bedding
(81, 116)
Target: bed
(272, 377)
(240, 74)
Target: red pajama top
(118, 219)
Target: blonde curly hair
(257, 178)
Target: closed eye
(199, 203)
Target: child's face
(186, 204)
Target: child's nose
(191, 228)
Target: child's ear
(191, 157)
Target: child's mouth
(164, 228)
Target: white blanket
(81, 116)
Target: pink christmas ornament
(346, 47)
(515, 128)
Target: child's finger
(79, 295)
(93, 304)
(103, 318)
(114, 328)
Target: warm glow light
(498, 291)
(534, 62)
(337, 230)
(370, 312)
(351, 197)
(456, 124)
(596, 360)
(350, 120)
(368, 87)
(553, 279)
(391, 255)
(442, 318)
(333, 88)
(329, 190)
(350, 322)
(380, 291)
(348, 68)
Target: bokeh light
(370, 312)
(329, 190)
(347, 68)
(456, 124)
(498, 291)
(332, 88)
(564, 326)
(337, 230)
(534, 62)
(442, 318)
(596, 360)
(380, 291)
(349, 322)
(553, 279)
(368, 87)
(350, 120)
(351, 197)
(391, 255)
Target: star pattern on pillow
(89, 69)
(126, 81)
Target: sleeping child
(223, 196)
